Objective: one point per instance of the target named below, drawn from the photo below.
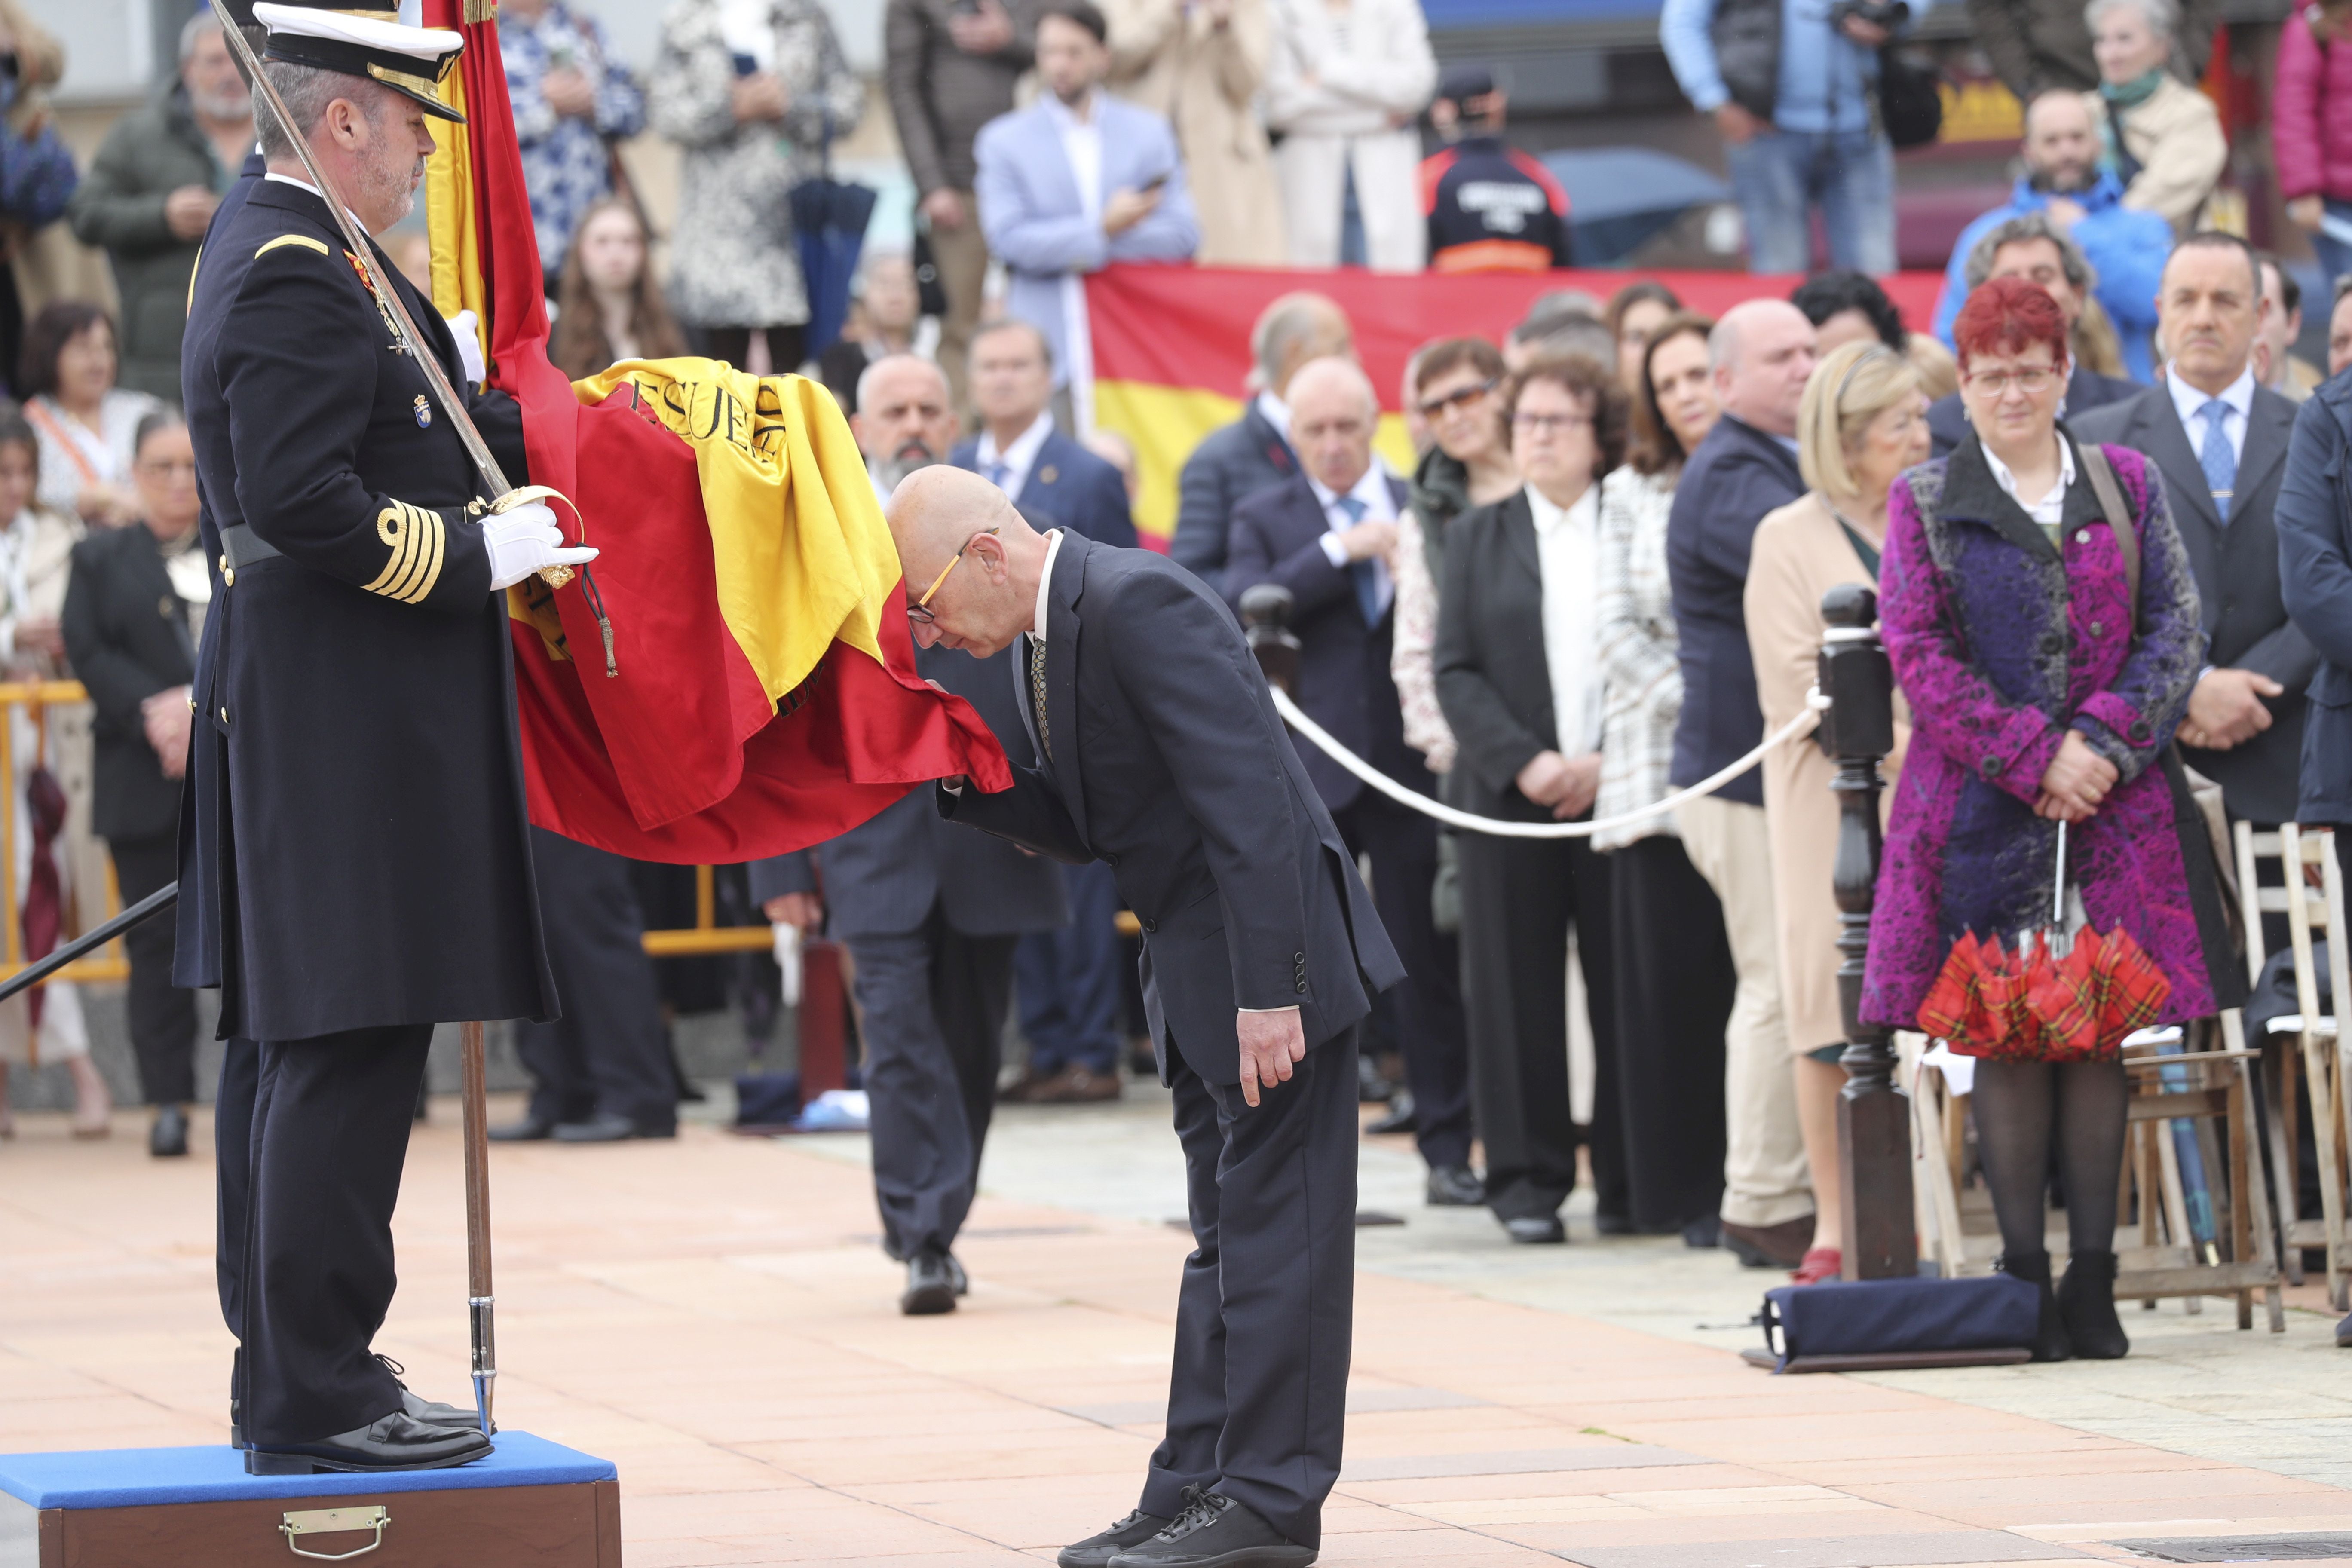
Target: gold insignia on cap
(415, 537)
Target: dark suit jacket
(1737, 474)
(1344, 682)
(2237, 569)
(1947, 422)
(882, 877)
(2314, 532)
(1227, 467)
(1168, 761)
(1492, 677)
(126, 632)
(1070, 485)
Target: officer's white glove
(470, 346)
(526, 540)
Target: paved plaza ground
(714, 1316)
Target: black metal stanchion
(1880, 1238)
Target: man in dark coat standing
(354, 860)
(2221, 441)
(1163, 755)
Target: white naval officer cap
(378, 39)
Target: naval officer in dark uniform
(355, 863)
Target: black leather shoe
(1215, 1532)
(1614, 1224)
(530, 1130)
(2086, 1300)
(397, 1442)
(931, 1286)
(1456, 1187)
(1536, 1230)
(431, 1412)
(2051, 1341)
(1778, 1245)
(1703, 1233)
(1401, 1117)
(168, 1139)
(955, 1272)
(1096, 1550)
(598, 1129)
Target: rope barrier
(1816, 704)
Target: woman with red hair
(2047, 651)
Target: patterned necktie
(1037, 692)
(2220, 463)
(1365, 573)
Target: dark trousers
(1402, 846)
(330, 1122)
(786, 347)
(607, 1054)
(1520, 898)
(1069, 978)
(1257, 1398)
(1675, 985)
(934, 1003)
(163, 1017)
(240, 1082)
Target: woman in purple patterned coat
(2041, 695)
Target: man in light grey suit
(932, 914)
(2220, 442)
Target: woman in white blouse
(84, 421)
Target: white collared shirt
(1045, 585)
(2237, 399)
(1016, 459)
(302, 184)
(1082, 145)
(2050, 510)
(1372, 490)
(1567, 549)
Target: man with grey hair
(1567, 321)
(151, 190)
(1254, 452)
(2031, 247)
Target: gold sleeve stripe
(416, 538)
(301, 239)
(191, 304)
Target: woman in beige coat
(1863, 422)
(2164, 138)
(1201, 63)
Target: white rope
(1815, 705)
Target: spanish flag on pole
(757, 691)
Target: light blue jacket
(2126, 248)
(1827, 81)
(1031, 215)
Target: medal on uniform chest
(424, 412)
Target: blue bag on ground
(1887, 1317)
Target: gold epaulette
(301, 239)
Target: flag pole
(481, 1321)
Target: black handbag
(1910, 103)
(1851, 1318)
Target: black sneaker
(1215, 1532)
(1096, 1550)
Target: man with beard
(354, 862)
(932, 914)
(2067, 182)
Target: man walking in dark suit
(2221, 441)
(930, 914)
(1069, 978)
(1160, 753)
(1254, 452)
(1325, 534)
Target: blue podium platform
(530, 1502)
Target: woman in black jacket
(1519, 675)
(133, 610)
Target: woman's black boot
(2087, 1299)
(2051, 1341)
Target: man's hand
(804, 912)
(2226, 709)
(1373, 540)
(2075, 782)
(187, 210)
(1584, 787)
(1735, 124)
(1869, 34)
(1127, 208)
(1545, 780)
(41, 634)
(944, 208)
(982, 32)
(167, 720)
(759, 97)
(2306, 213)
(2064, 213)
(569, 93)
(1271, 1044)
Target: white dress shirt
(1568, 551)
(1044, 593)
(2237, 404)
(2050, 510)
(1372, 490)
(1016, 460)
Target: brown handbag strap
(2102, 475)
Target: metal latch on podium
(333, 1522)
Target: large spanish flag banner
(1172, 344)
(736, 678)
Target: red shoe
(1821, 1263)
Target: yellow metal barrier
(707, 935)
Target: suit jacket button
(1990, 767)
(2140, 733)
(1151, 925)
(1302, 988)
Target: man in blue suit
(1075, 181)
(1068, 979)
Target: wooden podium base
(532, 1504)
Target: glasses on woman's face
(1546, 426)
(918, 611)
(2033, 380)
(1460, 397)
